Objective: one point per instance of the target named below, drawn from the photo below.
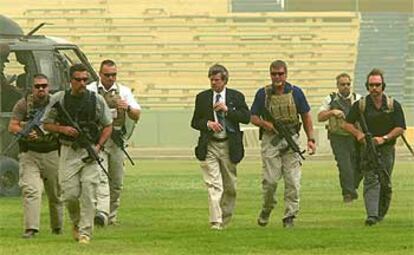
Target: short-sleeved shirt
(302, 106)
(379, 122)
(103, 114)
(19, 111)
(124, 92)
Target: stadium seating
(409, 71)
(164, 55)
(383, 44)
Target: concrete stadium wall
(170, 130)
(164, 128)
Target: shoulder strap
(29, 101)
(390, 103)
(291, 88)
(362, 104)
(92, 105)
(332, 96)
(268, 93)
(118, 89)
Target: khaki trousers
(109, 193)
(278, 164)
(220, 178)
(38, 171)
(79, 181)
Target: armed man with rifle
(276, 109)
(84, 123)
(122, 105)
(382, 121)
(38, 159)
(344, 146)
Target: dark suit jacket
(238, 112)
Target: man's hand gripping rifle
(283, 132)
(84, 140)
(374, 160)
(119, 141)
(33, 124)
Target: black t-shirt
(379, 121)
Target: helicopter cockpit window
(66, 58)
(16, 73)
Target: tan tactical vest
(111, 97)
(281, 107)
(30, 107)
(334, 123)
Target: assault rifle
(33, 124)
(83, 140)
(407, 144)
(119, 141)
(283, 131)
(373, 157)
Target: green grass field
(164, 211)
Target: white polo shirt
(124, 92)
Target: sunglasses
(80, 79)
(375, 85)
(40, 85)
(277, 73)
(107, 75)
(345, 84)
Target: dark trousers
(346, 154)
(377, 195)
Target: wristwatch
(386, 138)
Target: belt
(42, 150)
(71, 144)
(65, 142)
(220, 140)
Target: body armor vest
(111, 97)
(45, 142)
(282, 107)
(82, 110)
(339, 103)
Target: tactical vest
(282, 107)
(83, 111)
(339, 103)
(111, 97)
(44, 143)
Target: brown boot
(75, 233)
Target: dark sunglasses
(345, 84)
(375, 85)
(80, 79)
(277, 73)
(107, 75)
(40, 85)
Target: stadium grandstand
(164, 48)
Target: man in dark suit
(217, 114)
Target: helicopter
(22, 56)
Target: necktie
(220, 114)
